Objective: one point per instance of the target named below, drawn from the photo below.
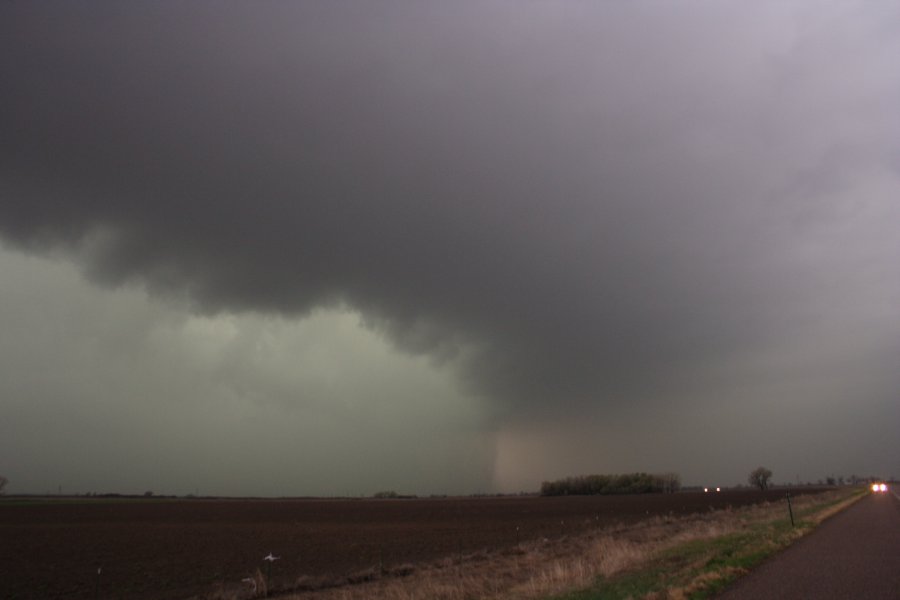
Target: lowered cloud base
(488, 243)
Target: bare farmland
(181, 548)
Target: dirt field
(169, 549)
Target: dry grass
(768, 537)
(541, 568)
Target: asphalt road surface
(854, 555)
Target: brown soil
(169, 549)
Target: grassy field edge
(662, 556)
(700, 568)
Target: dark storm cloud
(577, 203)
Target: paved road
(854, 555)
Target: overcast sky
(446, 247)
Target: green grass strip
(702, 568)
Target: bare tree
(3, 482)
(760, 477)
(669, 482)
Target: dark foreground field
(169, 549)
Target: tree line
(627, 483)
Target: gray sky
(338, 247)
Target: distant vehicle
(879, 487)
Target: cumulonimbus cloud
(572, 203)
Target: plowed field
(167, 549)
